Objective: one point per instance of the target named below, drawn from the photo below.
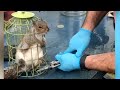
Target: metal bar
(1, 44)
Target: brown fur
(36, 35)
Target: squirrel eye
(40, 27)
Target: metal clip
(54, 64)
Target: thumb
(58, 57)
(69, 50)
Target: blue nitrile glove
(68, 61)
(117, 45)
(79, 42)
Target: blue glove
(117, 45)
(68, 61)
(79, 42)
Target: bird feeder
(15, 29)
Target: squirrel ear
(34, 23)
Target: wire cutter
(53, 64)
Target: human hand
(68, 61)
(79, 42)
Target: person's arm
(81, 40)
(93, 18)
(101, 62)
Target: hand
(79, 42)
(68, 61)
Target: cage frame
(7, 25)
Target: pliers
(53, 64)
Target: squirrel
(29, 52)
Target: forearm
(92, 19)
(101, 62)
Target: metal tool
(52, 65)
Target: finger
(58, 57)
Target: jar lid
(22, 14)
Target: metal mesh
(15, 29)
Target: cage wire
(15, 29)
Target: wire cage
(15, 30)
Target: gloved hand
(68, 61)
(79, 42)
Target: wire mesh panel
(24, 45)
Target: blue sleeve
(117, 45)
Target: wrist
(76, 64)
(88, 28)
(82, 61)
(88, 62)
(87, 31)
